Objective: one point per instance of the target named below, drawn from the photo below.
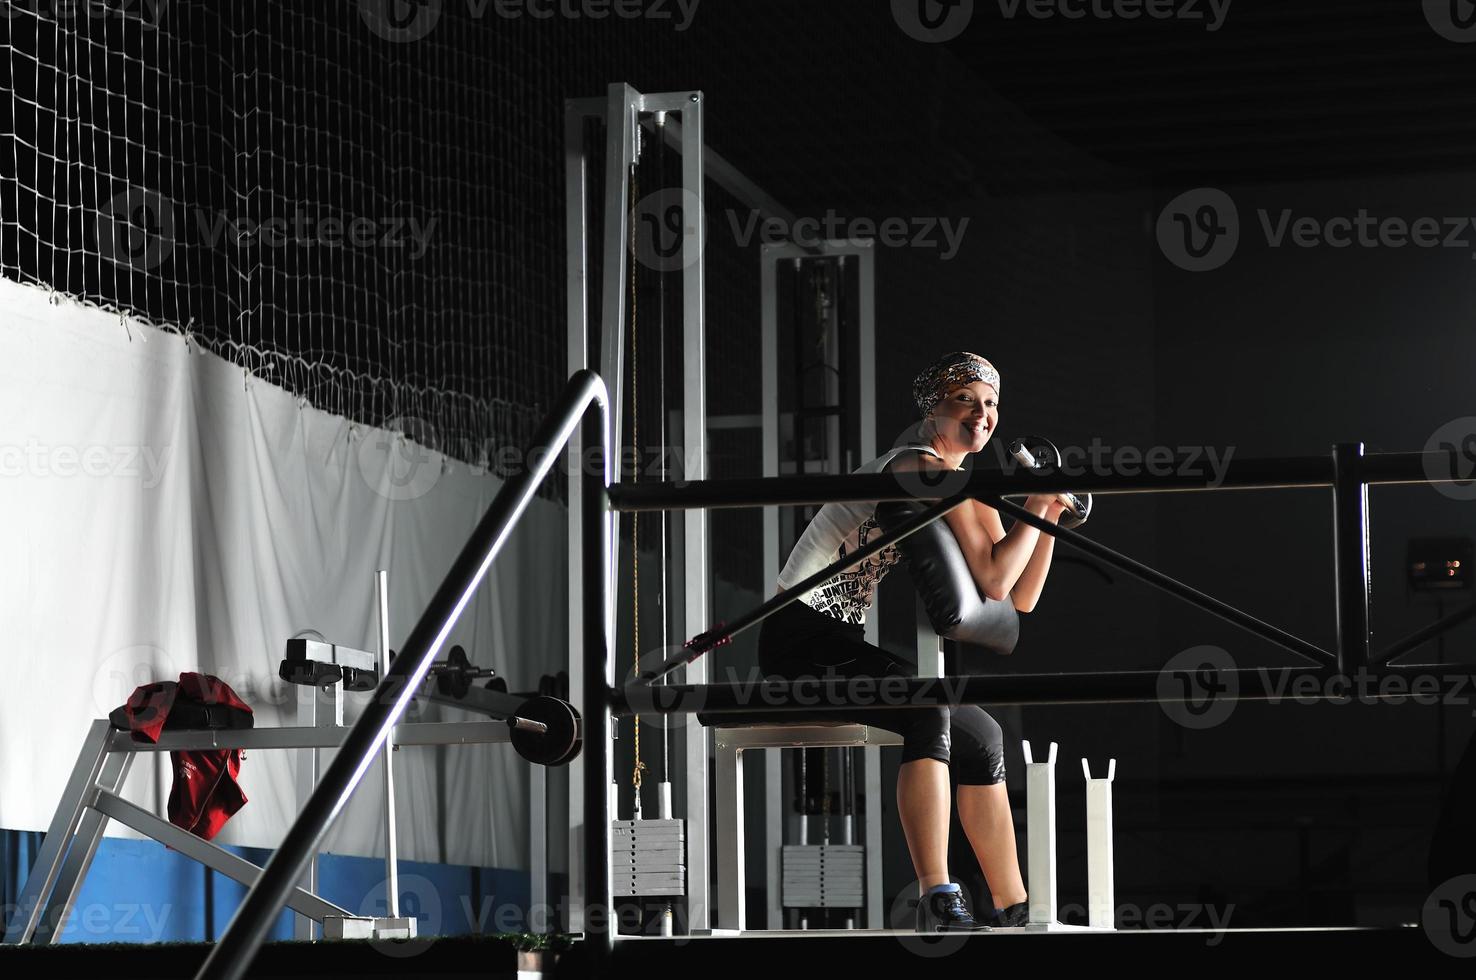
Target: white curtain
(163, 512)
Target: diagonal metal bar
(232, 955)
(724, 632)
(211, 855)
(1424, 634)
(1170, 585)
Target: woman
(958, 399)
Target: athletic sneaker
(944, 910)
(1013, 917)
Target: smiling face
(965, 419)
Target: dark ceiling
(1284, 89)
(830, 102)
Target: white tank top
(836, 531)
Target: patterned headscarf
(948, 372)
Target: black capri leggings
(798, 641)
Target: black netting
(376, 225)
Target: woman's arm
(1026, 592)
(997, 560)
(1026, 589)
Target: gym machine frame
(734, 742)
(93, 794)
(621, 110)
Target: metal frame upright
(621, 110)
(773, 257)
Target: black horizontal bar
(1255, 474)
(1301, 472)
(1443, 669)
(840, 695)
(1173, 586)
(1390, 468)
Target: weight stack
(825, 876)
(648, 857)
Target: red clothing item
(205, 793)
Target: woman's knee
(978, 747)
(927, 735)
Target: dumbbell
(455, 674)
(1040, 455)
(545, 730)
(544, 727)
(559, 743)
(549, 686)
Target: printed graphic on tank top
(837, 530)
(847, 596)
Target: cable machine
(621, 140)
(819, 416)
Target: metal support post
(1040, 815)
(392, 849)
(1350, 549)
(1101, 907)
(696, 563)
(599, 665)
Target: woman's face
(967, 416)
